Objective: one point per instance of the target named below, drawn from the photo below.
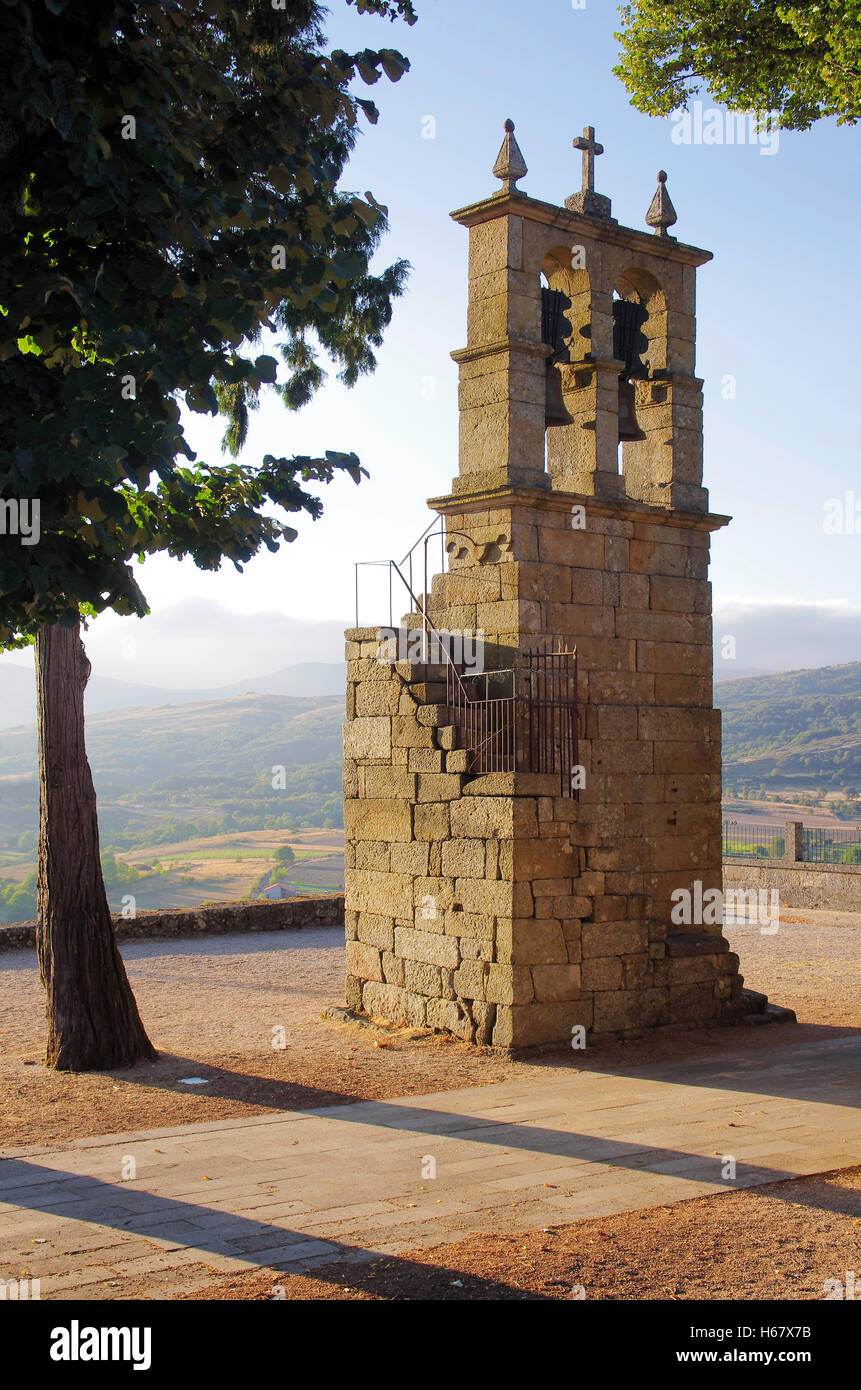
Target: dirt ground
(781, 1241)
(777, 812)
(215, 1006)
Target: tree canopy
(800, 61)
(171, 193)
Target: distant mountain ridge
(306, 678)
(724, 673)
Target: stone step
(696, 943)
(434, 716)
(413, 622)
(414, 671)
(756, 1003)
(428, 692)
(772, 1013)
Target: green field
(192, 872)
(192, 771)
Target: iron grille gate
(486, 723)
(522, 719)
(550, 698)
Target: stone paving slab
(296, 1189)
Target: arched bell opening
(566, 297)
(639, 342)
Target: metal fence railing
(484, 712)
(521, 719)
(741, 839)
(827, 846)
(549, 687)
(819, 844)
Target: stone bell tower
(508, 880)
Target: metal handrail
(428, 625)
(457, 696)
(427, 535)
(490, 725)
(434, 521)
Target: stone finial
(510, 164)
(661, 214)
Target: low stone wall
(321, 910)
(834, 886)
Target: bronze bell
(629, 341)
(628, 427)
(555, 330)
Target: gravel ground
(215, 1006)
(812, 964)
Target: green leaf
(266, 368)
(369, 215)
(394, 64)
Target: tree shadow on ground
(769, 1067)
(819, 1072)
(582, 1151)
(182, 1224)
(223, 1084)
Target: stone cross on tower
(590, 147)
(587, 200)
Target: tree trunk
(93, 1020)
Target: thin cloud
(785, 634)
(199, 643)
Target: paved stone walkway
(299, 1188)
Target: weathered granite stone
(511, 907)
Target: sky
(778, 347)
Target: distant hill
(798, 729)
(18, 690)
(194, 769)
(723, 673)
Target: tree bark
(93, 1020)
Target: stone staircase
(425, 683)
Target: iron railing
(744, 840)
(404, 568)
(822, 845)
(819, 844)
(550, 699)
(486, 722)
(522, 719)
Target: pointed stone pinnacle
(661, 214)
(510, 164)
